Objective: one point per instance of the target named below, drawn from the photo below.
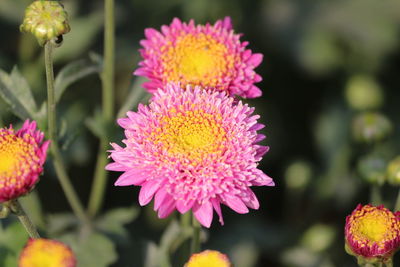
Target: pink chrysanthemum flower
(208, 258)
(22, 154)
(46, 253)
(210, 56)
(372, 233)
(192, 149)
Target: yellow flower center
(190, 134)
(197, 59)
(371, 225)
(14, 153)
(46, 253)
(208, 258)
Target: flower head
(208, 258)
(192, 149)
(210, 56)
(22, 154)
(46, 20)
(372, 232)
(46, 253)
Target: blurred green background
(325, 62)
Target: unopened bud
(372, 169)
(363, 93)
(393, 171)
(46, 20)
(371, 127)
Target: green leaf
(58, 223)
(73, 72)
(13, 237)
(82, 36)
(96, 124)
(23, 91)
(95, 250)
(136, 95)
(114, 220)
(16, 92)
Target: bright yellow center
(208, 258)
(46, 253)
(196, 60)
(13, 153)
(190, 134)
(371, 225)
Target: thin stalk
(376, 197)
(17, 209)
(397, 204)
(195, 244)
(58, 162)
(107, 79)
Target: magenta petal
(203, 213)
(166, 208)
(131, 177)
(253, 92)
(236, 204)
(217, 206)
(147, 191)
(159, 198)
(251, 201)
(183, 205)
(256, 59)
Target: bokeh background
(318, 56)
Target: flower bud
(393, 171)
(372, 169)
(46, 20)
(46, 253)
(363, 93)
(371, 127)
(372, 234)
(208, 258)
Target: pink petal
(253, 92)
(236, 204)
(217, 207)
(251, 201)
(183, 205)
(255, 59)
(131, 177)
(203, 213)
(166, 208)
(147, 191)
(159, 198)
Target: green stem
(397, 205)
(107, 78)
(195, 245)
(58, 162)
(376, 197)
(17, 209)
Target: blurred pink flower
(192, 149)
(210, 56)
(22, 155)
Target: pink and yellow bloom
(372, 233)
(46, 253)
(22, 155)
(210, 56)
(192, 149)
(208, 258)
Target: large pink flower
(192, 149)
(210, 56)
(22, 155)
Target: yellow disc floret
(46, 253)
(196, 59)
(372, 225)
(16, 157)
(191, 134)
(208, 258)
